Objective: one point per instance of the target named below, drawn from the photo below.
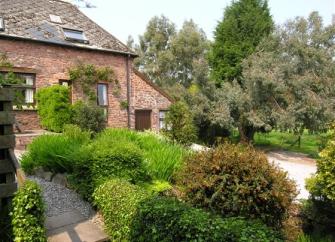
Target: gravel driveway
(298, 166)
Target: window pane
(74, 34)
(29, 96)
(162, 114)
(29, 80)
(102, 95)
(2, 25)
(162, 119)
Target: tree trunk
(246, 134)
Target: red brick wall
(27, 120)
(52, 62)
(144, 96)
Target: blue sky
(130, 17)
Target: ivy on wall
(88, 75)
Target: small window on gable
(2, 24)
(75, 35)
(162, 115)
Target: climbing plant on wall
(88, 75)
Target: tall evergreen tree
(245, 23)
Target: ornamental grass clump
(55, 152)
(236, 180)
(28, 214)
(161, 158)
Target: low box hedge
(167, 219)
(118, 201)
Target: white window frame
(161, 119)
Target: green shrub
(88, 117)
(55, 153)
(166, 219)
(118, 201)
(28, 214)
(318, 215)
(179, 124)
(323, 183)
(122, 160)
(162, 158)
(307, 238)
(54, 107)
(319, 211)
(80, 179)
(236, 180)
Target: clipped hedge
(167, 219)
(118, 200)
(28, 214)
(236, 180)
(54, 107)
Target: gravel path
(60, 200)
(298, 166)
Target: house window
(75, 35)
(162, 115)
(26, 88)
(102, 98)
(102, 95)
(2, 24)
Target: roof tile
(31, 19)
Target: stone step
(73, 227)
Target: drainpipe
(128, 91)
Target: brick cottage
(44, 38)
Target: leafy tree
(179, 123)
(189, 49)
(288, 83)
(131, 42)
(169, 57)
(155, 57)
(83, 3)
(179, 63)
(245, 23)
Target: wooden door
(142, 119)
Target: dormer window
(2, 24)
(75, 36)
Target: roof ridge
(63, 1)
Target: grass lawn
(310, 143)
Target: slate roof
(30, 19)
